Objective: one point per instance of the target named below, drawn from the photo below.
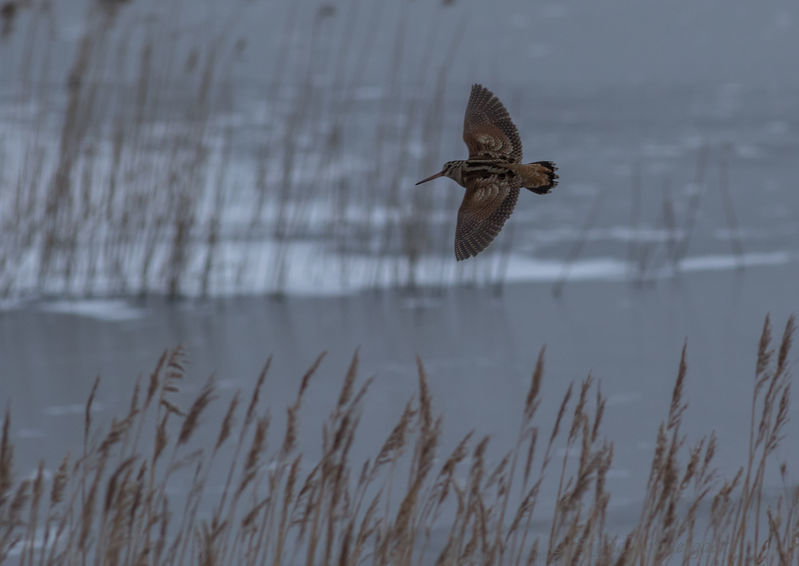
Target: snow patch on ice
(100, 309)
(724, 262)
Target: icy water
(676, 132)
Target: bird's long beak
(436, 176)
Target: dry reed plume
(112, 503)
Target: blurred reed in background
(144, 168)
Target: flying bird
(492, 175)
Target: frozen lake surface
(258, 160)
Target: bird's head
(451, 169)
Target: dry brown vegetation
(139, 167)
(112, 503)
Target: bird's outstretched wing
(488, 130)
(486, 206)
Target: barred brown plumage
(493, 174)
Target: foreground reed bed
(139, 493)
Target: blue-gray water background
(675, 127)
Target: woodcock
(492, 175)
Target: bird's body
(493, 175)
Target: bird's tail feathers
(540, 176)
